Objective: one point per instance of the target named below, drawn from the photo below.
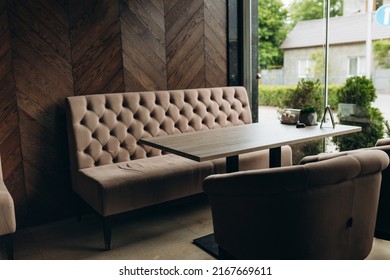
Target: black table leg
(275, 157)
(232, 164)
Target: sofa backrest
(105, 128)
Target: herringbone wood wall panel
(43, 78)
(96, 46)
(143, 43)
(51, 49)
(196, 43)
(10, 145)
(215, 43)
(185, 43)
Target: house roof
(342, 30)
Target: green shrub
(277, 95)
(332, 96)
(273, 95)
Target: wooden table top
(235, 140)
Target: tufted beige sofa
(114, 174)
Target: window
(305, 68)
(356, 66)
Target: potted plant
(355, 97)
(360, 91)
(308, 116)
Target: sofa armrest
(7, 209)
(383, 142)
(1, 171)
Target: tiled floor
(159, 234)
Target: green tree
(382, 53)
(317, 71)
(313, 9)
(272, 32)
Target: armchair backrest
(382, 228)
(320, 210)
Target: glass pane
(359, 39)
(291, 60)
(312, 57)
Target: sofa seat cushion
(121, 187)
(254, 160)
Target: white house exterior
(347, 51)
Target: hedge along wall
(275, 95)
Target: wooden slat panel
(185, 44)
(10, 146)
(96, 46)
(143, 45)
(43, 78)
(215, 43)
(191, 26)
(98, 76)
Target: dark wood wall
(196, 51)
(95, 36)
(42, 69)
(51, 49)
(143, 41)
(10, 144)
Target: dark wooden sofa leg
(9, 246)
(107, 233)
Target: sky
(287, 2)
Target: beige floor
(165, 233)
(159, 234)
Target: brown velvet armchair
(382, 228)
(319, 210)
